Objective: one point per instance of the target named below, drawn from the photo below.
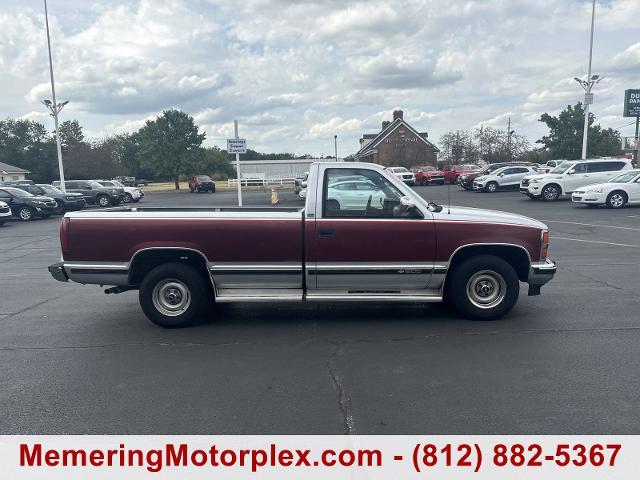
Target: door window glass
(580, 168)
(352, 192)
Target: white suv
(502, 178)
(572, 175)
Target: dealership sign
(632, 103)
(236, 145)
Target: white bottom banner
(282, 457)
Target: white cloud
(296, 73)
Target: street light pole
(235, 128)
(54, 108)
(588, 98)
(335, 142)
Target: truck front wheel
(484, 287)
(173, 295)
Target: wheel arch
(146, 259)
(515, 255)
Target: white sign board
(236, 145)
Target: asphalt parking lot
(76, 361)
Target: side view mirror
(571, 172)
(501, 174)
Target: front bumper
(478, 186)
(592, 198)
(531, 190)
(540, 273)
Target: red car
(452, 172)
(362, 235)
(201, 183)
(428, 175)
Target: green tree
(71, 134)
(27, 144)
(566, 131)
(215, 162)
(170, 145)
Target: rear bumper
(57, 271)
(540, 273)
(97, 273)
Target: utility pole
(509, 133)
(235, 127)
(54, 107)
(587, 85)
(636, 154)
(335, 141)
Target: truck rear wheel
(173, 295)
(483, 288)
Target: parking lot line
(597, 241)
(593, 225)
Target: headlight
(38, 202)
(114, 192)
(596, 190)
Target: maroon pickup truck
(363, 235)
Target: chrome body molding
(256, 275)
(101, 273)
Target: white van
(572, 175)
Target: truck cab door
(367, 243)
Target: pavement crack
(30, 307)
(599, 281)
(344, 401)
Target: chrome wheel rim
(492, 187)
(551, 193)
(104, 201)
(171, 297)
(486, 289)
(616, 200)
(25, 214)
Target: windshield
(204, 178)
(400, 170)
(625, 177)
(95, 184)
(562, 168)
(16, 192)
(117, 183)
(49, 188)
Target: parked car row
(27, 200)
(612, 182)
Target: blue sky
(296, 73)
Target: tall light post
(54, 107)
(587, 85)
(335, 144)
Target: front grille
(51, 204)
(579, 192)
(408, 177)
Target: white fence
(262, 179)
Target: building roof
(377, 139)
(6, 168)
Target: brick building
(398, 144)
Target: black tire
(491, 187)
(103, 201)
(26, 214)
(61, 209)
(173, 282)
(128, 198)
(551, 193)
(471, 286)
(616, 199)
(1, 223)
(191, 190)
(424, 182)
